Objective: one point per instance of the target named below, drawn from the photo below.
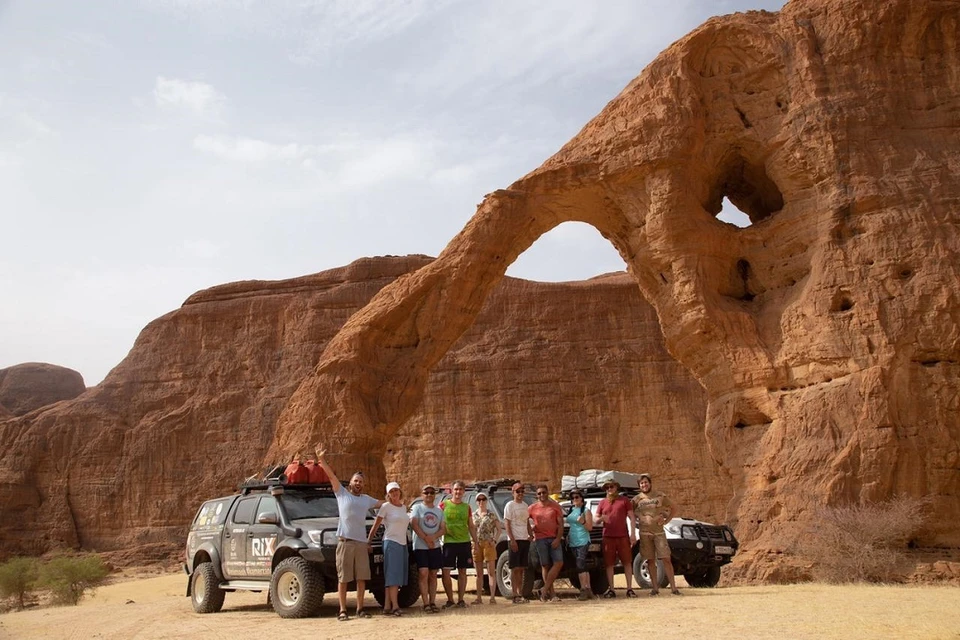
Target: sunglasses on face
(429, 493)
(578, 497)
(481, 499)
(541, 493)
(519, 491)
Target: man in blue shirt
(353, 552)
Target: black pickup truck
(276, 538)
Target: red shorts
(613, 547)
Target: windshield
(298, 506)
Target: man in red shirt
(547, 519)
(612, 513)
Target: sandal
(363, 614)
(655, 592)
(610, 593)
(631, 593)
(396, 613)
(520, 600)
(676, 592)
(433, 608)
(342, 616)
(478, 601)
(461, 604)
(449, 604)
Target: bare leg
(654, 578)
(668, 569)
(448, 584)
(550, 577)
(610, 577)
(461, 584)
(516, 579)
(361, 592)
(628, 572)
(479, 568)
(342, 595)
(492, 575)
(433, 587)
(585, 580)
(424, 586)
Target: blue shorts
(580, 556)
(547, 554)
(428, 558)
(395, 564)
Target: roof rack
(257, 484)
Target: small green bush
(18, 577)
(69, 577)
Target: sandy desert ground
(155, 607)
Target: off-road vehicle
(276, 538)
(698, 549)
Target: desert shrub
(861, 543)
(69, 577)
(18, 577)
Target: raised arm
(322, 461)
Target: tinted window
(212, 513)
(299, 506)
(268, 504)
(244, 512)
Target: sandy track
(160, 610)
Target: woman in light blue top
(581, 522)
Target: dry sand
(156, 608)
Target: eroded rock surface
(29, 386)
(826, 335)
(192, 410)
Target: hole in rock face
(747, 187)
(570, 251)
(841, 302)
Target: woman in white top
(393, 515)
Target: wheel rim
(645, 571)
(199, 588)
(506, 577)
(288, 589)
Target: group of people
(445, 539)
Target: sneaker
(583, 595)
(462, 605)
(449, 604)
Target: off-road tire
(504, 576)
(206, 596)
(642, 575)
(408, 594)
(598, 581)
(296, 589)
(703, 578)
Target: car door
(261, 539)
(235, 537)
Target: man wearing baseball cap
(516, 515)
(427, 523)
(612, 513)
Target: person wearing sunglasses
(460, 532)
(426, 520)
(517, 518)
(580, 520)
(547, 519)
(488, 527)
(613, 512)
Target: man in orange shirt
(547, 519)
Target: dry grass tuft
(862, 543)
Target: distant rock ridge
(32, 385)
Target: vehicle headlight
(727, 535)
(672, 529)
(316, 537)
(689, 534)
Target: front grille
(714, 533)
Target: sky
(153, 148)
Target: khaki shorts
(654, 543)
(484, 552)
(353, 561)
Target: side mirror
(268, 518)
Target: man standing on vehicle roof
(612, 513)
(427, 523)
(654, 509)
(458, 519)
(353, 552)
(547, 519)
(516, 515)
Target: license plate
(378, 558)
(594, 547)
(724, 550)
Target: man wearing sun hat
(612, 513)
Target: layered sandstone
(32, 385)
(192, 409)
(826, 335)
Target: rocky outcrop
(826, 335)
(192, 410)
(32, 385)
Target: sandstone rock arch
(827, 342)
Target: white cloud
(249, 149)
(198, 98)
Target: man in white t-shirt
(516, 515)
(353, 552)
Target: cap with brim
(392, 485)
(482, 495)
(517, 485)
(608, 483)
(647, 476)
(427, 486)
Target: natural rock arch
(822, 361)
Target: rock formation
(192, 409)
(32, 385)
(826, 335)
